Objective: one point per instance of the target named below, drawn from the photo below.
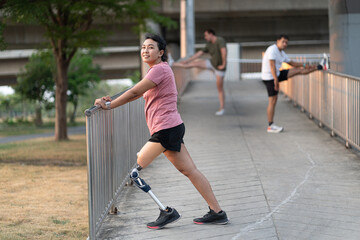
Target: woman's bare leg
(148, 153)
(184, 163)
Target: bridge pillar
(344, 26)
(187, 28)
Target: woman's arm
(130, 95)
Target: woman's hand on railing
(102, 102)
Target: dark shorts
(171, 138)
(270, 83)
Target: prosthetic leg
(140, 183)
(167, 214)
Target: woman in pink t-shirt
(166, 128)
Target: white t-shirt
(272, 53)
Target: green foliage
(69, 26)
(37, 78)
(70, 21)
(13, 105)
(82, 75)
(39, 74)
(2, 41)
(135, 76)
(100, 89)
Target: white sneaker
(220, 112)
(274, 129)
(325, 62)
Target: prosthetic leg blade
(167, 214)
(140, 183)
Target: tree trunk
(38, 117)
(61, 99)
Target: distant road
(71, 131)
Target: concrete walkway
(300, 184)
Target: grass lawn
(43, 189)
(45, 151)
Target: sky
(6, 90)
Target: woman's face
(150, 52)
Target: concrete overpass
(246, 22)
(115, 62)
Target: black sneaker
(213, 218)
(167, 216)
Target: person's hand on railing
(102, 102)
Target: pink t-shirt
(161, 101)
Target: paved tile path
(300, 184)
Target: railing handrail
(88, 112)
(343, 75)
(332, 99)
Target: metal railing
(113, 139)
(330, 97)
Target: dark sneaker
(167, 216)
(212, 218)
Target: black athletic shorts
(270, 83)
(171, 138)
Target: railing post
(332, 104)
(303, 96)
(321, 88)
(92, 225)
(347, 113)
(311, 104)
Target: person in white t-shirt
(271, 75)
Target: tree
(69, 25)
(36, 80)
(82, 76)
